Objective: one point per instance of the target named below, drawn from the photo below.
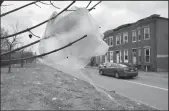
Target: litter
(54, 98)
(66, 28)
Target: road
(150, 90)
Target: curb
(92, 67)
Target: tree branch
(39, 23)
(7, 5)
(20, 48)
(95, 6)
(34, 34)
(44, 54)
(53, 5)
(17, 8)
(88, 4)
(37, 5)
(44, 3)
(1, 2)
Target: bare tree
(22, 61)
(29, 29)
(12, 43)
(3, 41)
(24, 53)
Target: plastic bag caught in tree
(66, 28)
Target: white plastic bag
(66, 28)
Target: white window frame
(125, 34)
(111, 40)
(111, 52)
(133, 36)
(148, 32)
(126, 61)
(149, 48)
(117, 36)
(138, 29)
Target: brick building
(143, 43)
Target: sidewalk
(94, 67)
(157, 74)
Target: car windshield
(129, 65)
(122, 65)
(113, 65)
(118, 65)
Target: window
(126, 56)
(117, 40)
(147, 54)
(139, 34)
(133, 36)
(139, 55)
(111, 41)
(125, 37)
(111, 56)
(146, 33)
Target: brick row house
(143, 43)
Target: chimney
(155, 15)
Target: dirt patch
(38, 87)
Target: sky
(108, 14)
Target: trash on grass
(54, 98)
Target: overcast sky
(109, 14)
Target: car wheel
(117, 75)
(101, 72)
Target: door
(107, 69)
(117, 57)
(111, 69)
(134, 56)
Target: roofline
(130, 24)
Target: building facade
(143, 44)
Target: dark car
(102, 65)
(118, 70)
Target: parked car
(102, 65)
(119, 70)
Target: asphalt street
(146, 88)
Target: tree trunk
(22, 62)
(35, 58)
(9, 68)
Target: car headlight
(126, 69)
